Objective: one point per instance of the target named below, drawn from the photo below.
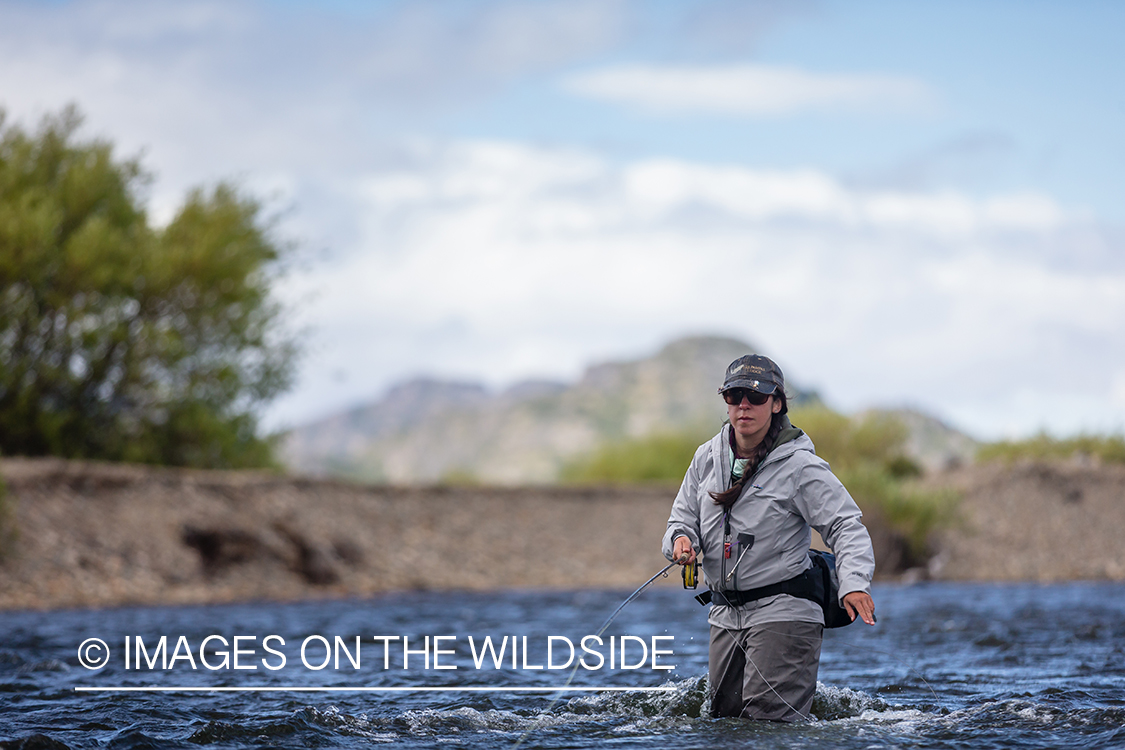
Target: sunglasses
(735, 395)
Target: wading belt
(808, 585)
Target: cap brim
(750, 385)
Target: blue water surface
(948, 665)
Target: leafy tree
(120, 340)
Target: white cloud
(746, 90)
(550, 185)
(213, 90)
(502, 260)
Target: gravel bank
(104, 534)
(1042, 522)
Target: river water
(947, 666)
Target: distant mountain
(931, 442)
(430, 430)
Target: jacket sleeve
(829, 509)
(684, 519)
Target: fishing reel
(691, 575)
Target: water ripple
(949, 666)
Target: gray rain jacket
(792, 490)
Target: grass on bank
(866, 453)
(1042, 447)
(657, 458)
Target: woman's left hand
(860, 603)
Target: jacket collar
(790, 440)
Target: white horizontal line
(291, 689)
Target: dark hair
(728, 497)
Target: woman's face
(752, 422)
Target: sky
(904, 204)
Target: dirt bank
(93, 534)
(98, 534)
(1041, 522)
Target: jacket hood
(788, 434)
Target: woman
(746, 505)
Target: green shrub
(1106, 448)
(868, 455)
(910, 511)
(903, 467)
(459, 477)
(662, 457)
(873, 439)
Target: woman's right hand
(682, 551)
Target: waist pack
(818, 584)
(835, 615)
